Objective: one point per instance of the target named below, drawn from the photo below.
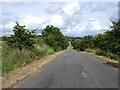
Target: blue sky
(73, 17)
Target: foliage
(108, 54)
(22, 38)
(83, 43)
(24, 46)
(4, 38)
(54, 38)
(100, 52)
(89, 50)
(108, 42)
(14, 58)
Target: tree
(114, 37)
(4, 38)
(22, 38)
(54, 38)
(109, 41)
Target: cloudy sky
(73, 17)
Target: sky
(74, 18)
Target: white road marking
(84, 74)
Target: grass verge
(19, 74)
(13, 58)
(107, 57)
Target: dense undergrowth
(103, 53)
(24, 46)
(13, 58)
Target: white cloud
(1, 27)
(30, 20)
(57, 20)
(106, 28)
(53, 8)
(15, 0)
(10, 25)
(73, 18)
(44, 25)
(71, 8)
(59, 0)
(94, 24)
(77, 30)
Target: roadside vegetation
(24, 46)
(54, 38)
(106, 44)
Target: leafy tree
(114, 37)
(4, 38)
(109, 41)
(54, 38)
(22, 38)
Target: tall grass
(108, 54)
(13, 58)
(103, 53)
(89, 50)
(0, 59)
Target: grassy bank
(103, 53)
(14, 58)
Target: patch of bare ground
(21, 73)
(114, 63)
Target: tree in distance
(54, 38)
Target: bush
(100, 52)
(22, 38)
(108, 54)
(54, 38)
(14, 58)
(89, 50)
(113, 56)
(82, 49)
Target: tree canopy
(22, 38)
(54, 38)
(109, 41)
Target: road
(73, 69)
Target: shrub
(14, 58)
(89, 50)
(54, 38)
(113, 56)
(82, 49)
(100, 52)
(22, 38)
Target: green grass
(108, 54)
(103, 53)
(100, 52)
(89, 50)
(13, 58)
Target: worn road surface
(73, 69)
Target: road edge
(114, 63)
(20, 74)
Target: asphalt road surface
(73, 69)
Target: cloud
(94, 24)
(15, 0)
(1, 27)
(59, 0)
(106, 28)
(73, 18)
(57, 20)
(53, 9)
(71, 8)
(10, 25)
(32, 21)
(77, 30)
